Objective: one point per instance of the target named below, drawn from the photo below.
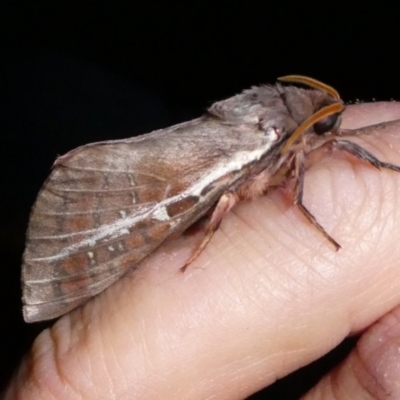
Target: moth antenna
(314, 83)
(320, 114)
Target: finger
(372, 369)
(267, 296)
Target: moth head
(327, 116)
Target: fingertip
(372, 370)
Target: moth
(106, 206)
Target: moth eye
(327, 124)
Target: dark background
(77, 73)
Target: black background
(73, 73)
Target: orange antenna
(321, 114)
(305, 80)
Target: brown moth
(108, 205)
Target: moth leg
(333, 144)
(367, 129)
(298, 198)
(359, 152)
(225, 203)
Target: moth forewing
(106, 206)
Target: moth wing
(106, 206)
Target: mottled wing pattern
(99, 213)
(72, 251)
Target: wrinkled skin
(266, 297)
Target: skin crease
(266, 297)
